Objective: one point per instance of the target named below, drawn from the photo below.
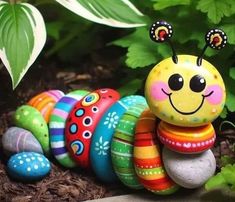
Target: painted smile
(187, 113)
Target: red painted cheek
(156, 90)
(216, 97)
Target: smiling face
(185, 94)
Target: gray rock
(189, 170)
(16, 140)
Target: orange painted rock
(186, 139)
(44, 102)
(147, 158)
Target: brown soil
(97, 70)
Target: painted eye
(197, 83)
(176, 82)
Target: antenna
(216, 39)
(160, 32)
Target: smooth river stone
(28, 166)
(29, 118)
(189, 170)
(16, 140)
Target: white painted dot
(24, 155)
(21, 162)
(26, 113)
(43, 164)
(48, 165)
(36, 167)
(33, 158)
(15, 166)
(28, 159)
(40, 159)
(28, 169)
(19, 157)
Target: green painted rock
(31, 119)
(122, 147)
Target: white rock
(189, 170)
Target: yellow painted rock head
(186, 90)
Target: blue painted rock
(16, 140)
(57, 122)
(31, 119)
(28, 166)
(100, 153)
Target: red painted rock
(82, 121)
(147, 157)
(186, 139)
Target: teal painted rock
(16, 140)
(31, 119)
(28, 166)
(122, 147)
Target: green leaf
(228, 173)
(22, 37)
(225, 160)
(159, 5)
(230, 31)
(230, 101)
(216, 9)
(215, 181)
(54, 28)
(224, 113)
(115, 13)
(232, 72)
(131, 87)
(141, 50)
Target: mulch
(63, 184)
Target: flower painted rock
(44, 102)
(31, 119)
(82, 121)
(186, 140)
(16, 140)
(122, 147)
(100, 151)
(57, 123)
(189, 171)
(147, 157)
(28, 166)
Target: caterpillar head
(185, 90)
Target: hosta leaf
(115, 13)
(22, 37)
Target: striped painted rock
(147, 158)
(44, 102)
(16, 140)
(57, 126)
(122, 147)
(100, 151)
(186, 140)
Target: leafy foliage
(225, 178)
(190, 20)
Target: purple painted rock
(16, 140)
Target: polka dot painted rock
(28, 166)
(122, 147)
(57, 126)
(147, 157)
(16, 140)
(82, 121)
(44, 102)
(100, 144)
(186, 139)
(31, 119)
(189, 171)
